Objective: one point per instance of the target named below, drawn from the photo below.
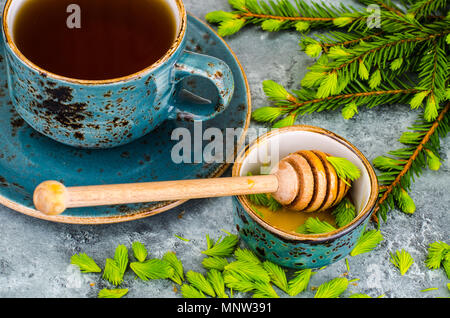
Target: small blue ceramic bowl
(290, 249)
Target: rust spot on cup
(61, 94)
(79, 135)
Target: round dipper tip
(51, 198)
(308, 182)
(288, 183)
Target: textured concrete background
(35, 254)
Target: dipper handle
(52, 197)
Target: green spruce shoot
(139, 251)
(402, 260)
(112, 293)
(85, 263)
(367, 242)
(333, 288)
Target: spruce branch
(306, 102)
(433, 74)
(401, 61)
(385, 4)
(276, 15)
(394, 22)
(398, 172)
(339, 39)
(339, 68)
(279, 15)
(425, 8)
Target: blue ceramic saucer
(27, 158)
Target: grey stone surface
(35, 254)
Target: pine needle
(112, 272)
(429, 289)
(313, 50)
(249, 270)
(223, 247)
(237, 282)
(85, 263)
(275, 91)
(267, 114)
(230, 26)
(200, 282)
(344, 212)
(300, 282)
(215, 262)
(349, 110)
(182, 238)
(277, 275)
(329, 86)
(264, 290)
(332, 289)
(437, 252)
(272, 25)
(188, 291)
(264, 199)
(215, 278)
(246, 255)
(433, 160)
(362, 71)
(404, 201)
(367, 242)
(375, 79)
(121, 258)
(152, 269)
(285, 122)
(359, 296)
(112, 293)
(345, 169)
(446, 264)
(219, 16)
(302, 26)
(178, 274)
(402, 260)
(315, 226)
(140, 251)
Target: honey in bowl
(293, 222)
(289, 220)
(322, 202)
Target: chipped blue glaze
(27, 157)
(298, 254)
(105, 114)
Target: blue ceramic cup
(290, 249)
(112, 112)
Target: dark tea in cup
(102, 73)
(94, 39)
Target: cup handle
(211, 68)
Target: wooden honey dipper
(302, 181)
